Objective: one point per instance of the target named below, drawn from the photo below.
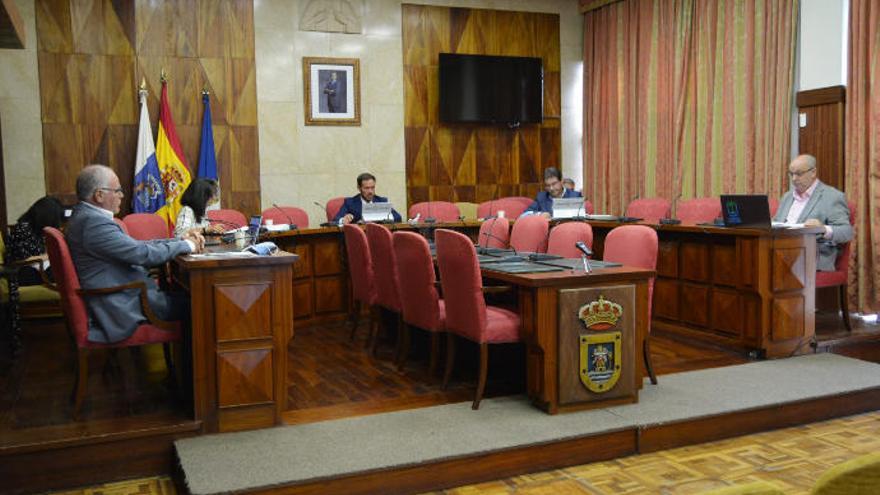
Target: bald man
(813, 203)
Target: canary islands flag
(207, 155)
(148, 192)
(172, 164)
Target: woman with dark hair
(24, 247)
(200, 194)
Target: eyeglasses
(118, 190)
(802, 172)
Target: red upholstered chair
(698, 210)
(650, 209)
(333, 206)
(512, 207)
(76, 317)
(636, 245)
(774, 206)
(384, 274)
(588, 207)
(467, 314)
(565, 235)
(530, 234)
(146, 226)
(441, 211)
(840, 276)
(121, 224)
(494, 233)
(419, 300)
(229, 218)
(287, 214)
(360, 267)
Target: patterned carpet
(792, 459)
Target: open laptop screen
(377, 212)
(568, 207)
(745, 210)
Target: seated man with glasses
(105, 256)
(813, 203)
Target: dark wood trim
(12, 32)
(821, 96)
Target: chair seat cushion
(830, 279)
(502, 325)
(145, 334)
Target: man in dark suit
(813, 203)
(105, 256)
(353, 207)
(553, 188)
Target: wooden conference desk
(549, 304)
(242, 321)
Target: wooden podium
(242, 321)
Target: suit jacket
(543, 203)
(828, 205)
(353, 205)
(105, 256)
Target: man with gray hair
(105, 256)
(814, 203)
(543, 204)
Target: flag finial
(162, 75)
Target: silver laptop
(378, 212)
(568, 207)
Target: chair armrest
(496, 289)
(145, 303)
(38, 263)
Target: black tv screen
(489, 89)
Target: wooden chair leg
(435, 353)
(484, 369)
(844, 306)
(355, 317)
(646, 350)
(82, 377)
(450, 358)
(403, 343)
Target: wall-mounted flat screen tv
(490, 89)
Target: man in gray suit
(814, 203)
(105, 256)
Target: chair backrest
(530, 234)
(565, 235)
(121, 224)
(494, 233)
(841, 264)
(858, 476)
(67, 282)
(146, 226)
(229, 218)
(634, 245)
(442, 211)
(287, 214)
(384, 266)
(468, 210)
(512, 207)
(698, 210)
(333, 206)
(651, 209)
(774, 206)
(462, 284)
(360, 264)
(419, 299)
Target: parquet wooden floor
(791, 458)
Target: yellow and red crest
(600, 314)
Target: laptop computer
(745, 210)
(378, 212)
(568, 207)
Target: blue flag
(207, 156)
(148, 194)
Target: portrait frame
(332, 91)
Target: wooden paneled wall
(92, 57)
(469, 162)
(823, 135)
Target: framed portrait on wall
(332, 91)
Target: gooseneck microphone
(515, 257)
(225, 223)
(672, 220)
(587, 252)
(328, 223)
(289, 219)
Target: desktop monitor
(745, 210)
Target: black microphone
(672, 220)
(328, 223)
(515, 257)
(582, 247)
(289, 220)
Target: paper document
(225, 254)
(779, 225)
